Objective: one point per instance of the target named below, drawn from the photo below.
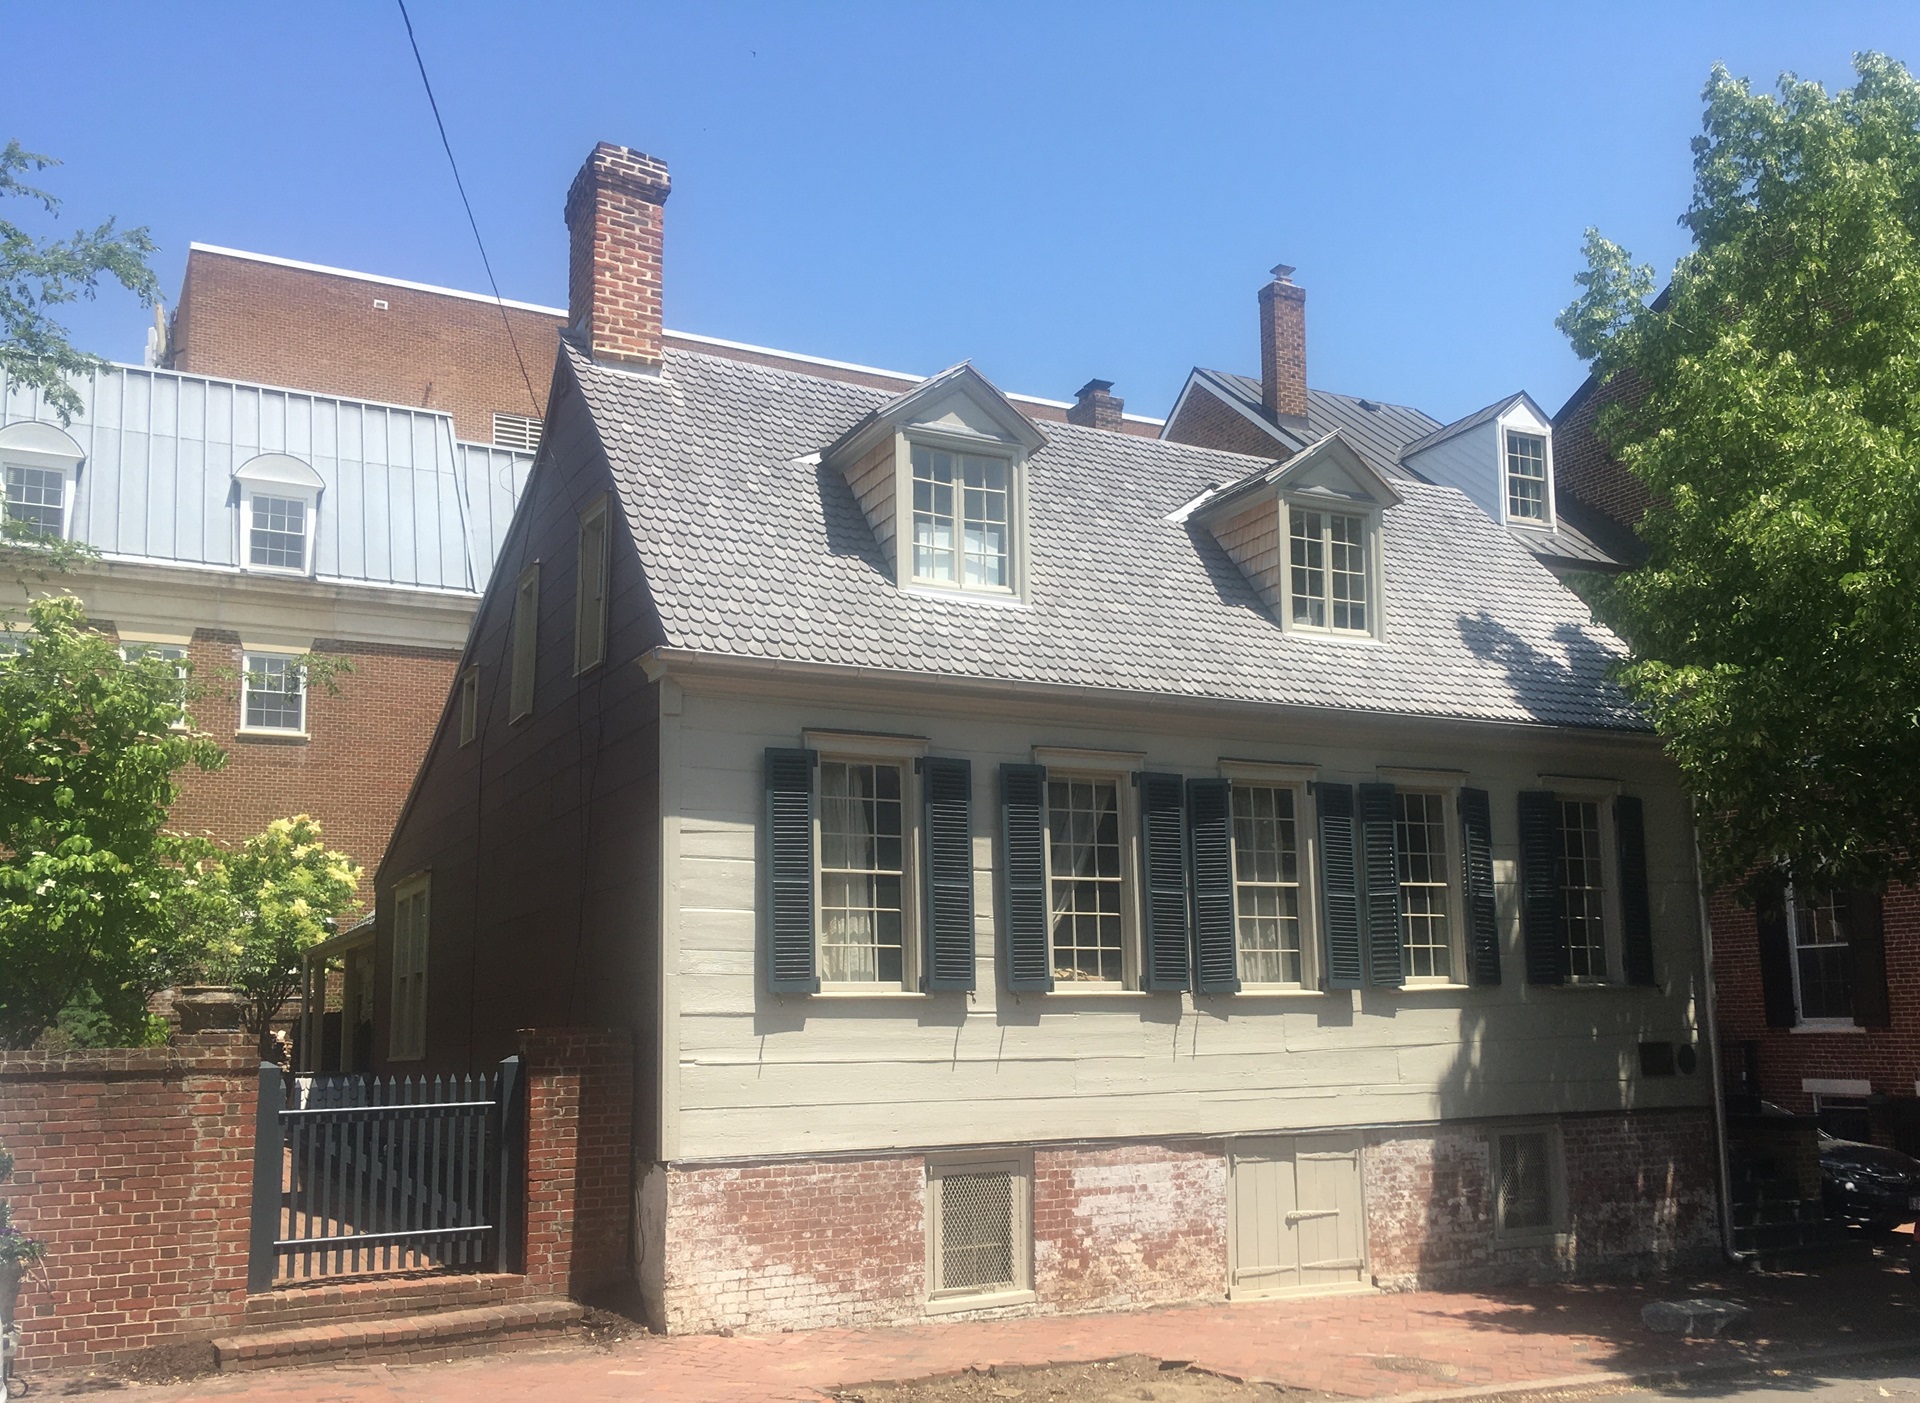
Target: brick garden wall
(135, 1167)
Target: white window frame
(1446, 785)
(590, 634)
(979, 446)
(247, 670)
(1507, 434)
(469, 704)
(66, 469)
(1554, 1230)
(308, 498)
(523, 644)
(1299, 780)
(1018, 1166)
(407, 1018)
(860, 749)
(1369, 514)
(1119, 769)
(133, 645)
(1601, 793)
(1825, 1024)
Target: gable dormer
(1500, 456)
(1307, 532)
(941, 474)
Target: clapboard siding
(1251, 538)
(758, 1074)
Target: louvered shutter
(1867, 960)
(1023, 844)
(1163, 844)
(789, 862)
(1776, 954)
(946, 791)
(1210, 849)
(1636, 901)
(1483, 923)
(1380, 879)
(1339, 891)
(1540, 888)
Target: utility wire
(473, 223)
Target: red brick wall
(1206, 422)
(1582, 467)
(1640, 1193)
(274, 325)
(615, 211)
(1129, 1225)
(1283, 348)
(579, 1159)
(1889, 1058)
(136, 1168)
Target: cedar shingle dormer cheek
(941, 476)
(1308, 535)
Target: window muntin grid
(977, 1225)
(1527, 477)
(1523, 1183)
(1327, 560)
(1084, 864)
(961, 511)
(1583, 925)
(1266, 884)
(278, 533)
(862, 872)
(165, 652)
(408, 1038)
(1821, 959)
(37, 499)
(1420, 842)
(275, 694)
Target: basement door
(1295, 1219)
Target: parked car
(1868, 1186)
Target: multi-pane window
(590, 597)
(524, 643)
(409, 1033)
(1583, 924)
(1526, 477)
(1084, 879)
(1266, 884)
(165, 652)
(862, 871)
(1820, 957)
(277, 533)
(469, 705)
(1523, 1181)
(274, 693)
(1327, 561)
(960, 518)
(1420, 842)
(37, 500)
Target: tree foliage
(1775, 627)
(94, 892)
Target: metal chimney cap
(1093, 387)
(1283, 272)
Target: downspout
(1722, 1153)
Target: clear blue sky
(1056, 191)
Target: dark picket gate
(359, 1176)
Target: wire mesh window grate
(1523, 1188)
(977, 1247)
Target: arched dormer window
(40, 466)
(279, 498)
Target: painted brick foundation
(1130, 1225)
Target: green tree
(287, 891)
(1775, 627)
(36, 274)
(94, 892)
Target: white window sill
(949, 1305)
(271, 733)
(1063, 989)
(997, 598)
(1322, 635)
(281, 571)
(1827, 1025)
(880, 991)
(1603, 986)
(1272, 991)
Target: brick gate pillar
(579, 1219)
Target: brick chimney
(1283, 346)
(1096, 406)
(614, 255)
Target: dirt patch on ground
(164, 1364)
(1129, 1380)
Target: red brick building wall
(1203, 419)
(136, 1169)
(1583, 469)
(1122, 1226)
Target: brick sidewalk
(1370, 1346)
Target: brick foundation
(135, 1167)
(1129, 1225)
(579, 1221)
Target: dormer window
(1328, 567)
(279, 500)
(278, 534)
(39, 468)
(1527, 477)
(960, 518)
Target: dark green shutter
(946, 790)
(1867, 960)
(790, 810)
(1540, 888)
(1483, 921)
(1163, 843)
(1636, 902)
(1210, 846)
(1023, 865)
(1380, 875)
(1339, 892)
(1776, 953)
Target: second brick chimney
(1096, 406)
(1283, 346)
(614, 212)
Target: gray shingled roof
(752, 551)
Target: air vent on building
(1658, 1060)
(517, 431)
(379, 304)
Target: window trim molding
(1015, 455)
(1372, 530)
(1018, 1165)
(1306, 826)
(1827, 1023)
(68, 470)
(597, 510)
(1555, 1232)
(1447, 784)
(467, 704)
(1552, 520)
(408, 886)
(246, 674)
(516, 711)
(1601, 793)
(307, 496)
(900, 751)
(1118, 768)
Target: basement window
(1526, 1182)
(979, 1232)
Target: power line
(473, 223)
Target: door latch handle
(1299, 1214)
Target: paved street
(1854, 1381)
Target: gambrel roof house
(1041, 867)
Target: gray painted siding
(403, 504)
(1468, 461)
